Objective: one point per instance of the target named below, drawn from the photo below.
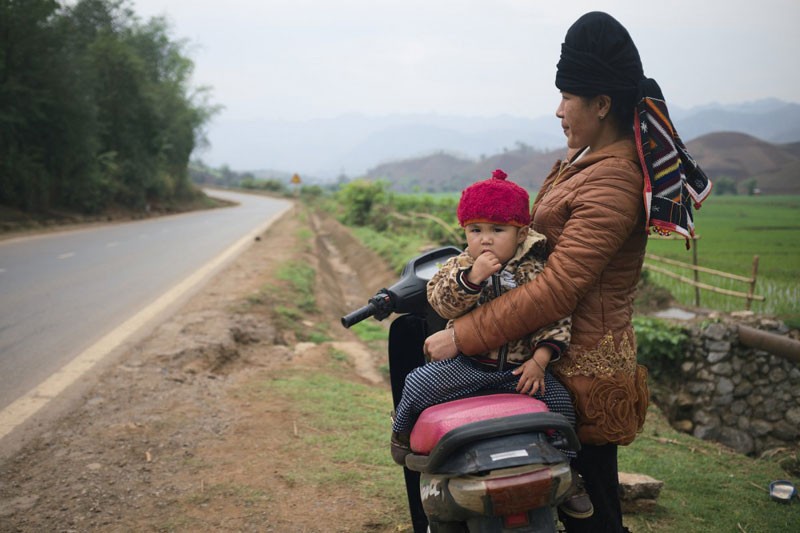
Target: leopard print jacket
(451, 299)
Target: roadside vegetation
(98, 110)
(732, 230)
(291, 296)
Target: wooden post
(752, 288)
(696, 274)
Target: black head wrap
(598, 56)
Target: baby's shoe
(401, 447)
(577, 504)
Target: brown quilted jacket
(593, 217)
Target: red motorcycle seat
(436, 421)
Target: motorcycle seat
(436, 421)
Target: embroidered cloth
(673, 180)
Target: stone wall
(744, 398)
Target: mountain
(350, 144)
(447, 172)
(735, 156)
(770, 120)
(323, 149)
(740, 157)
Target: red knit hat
(496, 201)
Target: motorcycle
(485, 463)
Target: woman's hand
(440, 346)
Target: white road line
(112, 244)
(29, 404)
(66, 255)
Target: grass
(376, 336)
(707, 487)
(732, 230)
(299, 277)
(291, 299)
(345, 429)
(370, 331)
(292, 303)
(395, 249)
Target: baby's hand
(531, 378)
(485, 265)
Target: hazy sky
(302, 59)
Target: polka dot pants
(442, 381)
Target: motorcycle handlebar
(358, 315)
(407, 295)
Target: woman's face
(579, 119)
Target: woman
(626, 171)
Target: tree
(28, 59)
(751, 186)
(95, 107)
(724, 185)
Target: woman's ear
(603, 105)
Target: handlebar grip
(358, 315)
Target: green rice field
(732, 230)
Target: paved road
(61, 292)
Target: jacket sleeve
(556, 335)
(446, 294)
(604, 211)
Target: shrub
(661, 346)
(358, 198)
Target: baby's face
(500, 239)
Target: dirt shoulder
(165, 437)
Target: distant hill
(740, 157)
(776, 167)
(441, 172)
(324, 149)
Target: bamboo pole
(699, 268)
(705, 286)
(752, 289)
